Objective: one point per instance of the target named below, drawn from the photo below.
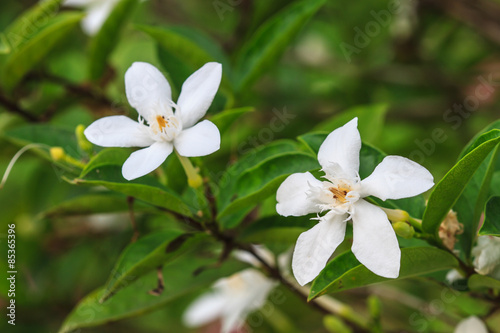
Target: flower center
(165, 128)
(340, 193)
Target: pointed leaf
(447, 191)
(271, 39)
(146, 254)
(223, 120)
(135, 299)
(491, 225)
(345, 272)
(478, 281)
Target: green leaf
(276, 229)
(29, 22)
(146, 254)
(28, 54)
(135, 299)
(257, 183)
(370, 120)
(345, 272)
(94, 204)
(105, 170)
(223, 120)
(447, 191)
(491, 225)
(271, 39)
(106, 39)
(226, 187)
(183, 51)
(478, 281)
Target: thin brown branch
(13, 107)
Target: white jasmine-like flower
(486, 255)
(159, 128)
(97, 13)
(471, 324)
(341, 195)
(231, 300)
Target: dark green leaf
(491, 225)
(135, 299)
(146, 254)
(31, 52)
(29, 23)
(257, 183)
(226, 118)
(448, 190)
(478, 281)
(103, 43)
(345, 272)
(370, 120)
(270, 41)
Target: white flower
(231, 300)
(471, 325)
(97, 13)
(341, 195)
(486, 255)
(159, 127)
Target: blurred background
(435, 65)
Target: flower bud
(335, 325)
(57, 154)
(83, 143)
(396, 215)
(403, 229)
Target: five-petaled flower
(375, 244)
(231, 300)
(160, 129)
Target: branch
(14, 108)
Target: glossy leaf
(29, 23)
(277, 229)
(28, 54)
(478, 281)
(491, 225)
(223, 120)
(271, 39)
(135, 299)
(345, 272)
(370, 120)
(106, 39)
(257, 183)
(447, 191)
(146, 254)
(95, 203)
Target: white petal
(342, 147)
(471, 325)
(397, 177)
(146, 160)
(199, 140)
(147, 90)
(293, 198)
(198, 92)
(205, 309)
(118, 131)
(315, 246)
(97, 14)
(375, 244)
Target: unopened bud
(403, 229)
(195, 181)
(335, 325)
(396, 215)
(57, 154)
(83, 143)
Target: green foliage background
(401, 85)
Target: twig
(14, 108)
(130, 202)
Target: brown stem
(14, 108)
(130, 202)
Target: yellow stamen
(162, 123)
(340, 193)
